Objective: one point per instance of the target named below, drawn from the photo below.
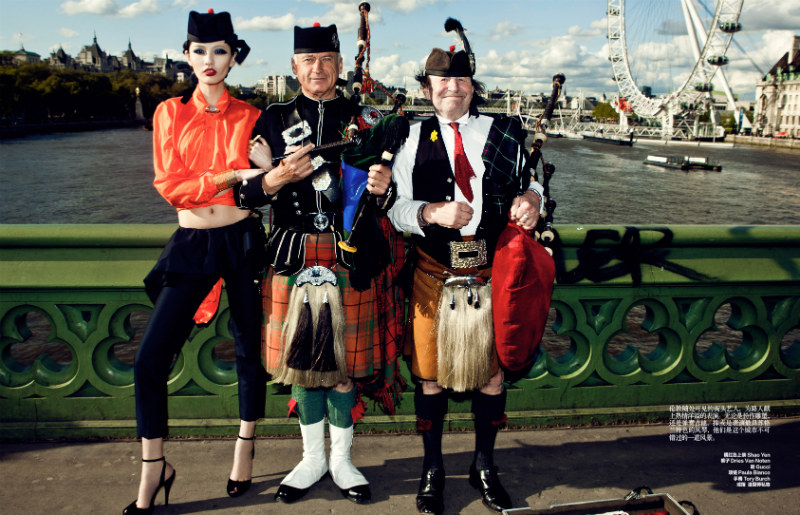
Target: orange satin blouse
(191, 144)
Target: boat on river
(685, 163)
(609, 138)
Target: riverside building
(777, 111)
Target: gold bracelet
(231, 178)
(225, 180)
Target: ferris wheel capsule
(718, 60)
(730, 27)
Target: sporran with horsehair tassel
(312, 339)
(465, 336)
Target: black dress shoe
(290, 494)
(430, 497)
(493, 494)
(360, 494)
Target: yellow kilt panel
(426, 292)
(372, 317)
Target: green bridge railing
(643, 319)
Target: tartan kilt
(373, 318)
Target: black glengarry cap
(211, 26)
(311, 40)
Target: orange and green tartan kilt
(373, 318)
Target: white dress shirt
(474, 133)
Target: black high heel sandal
(132, 509)
(237, 488)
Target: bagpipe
(366, 248)
(523, 272)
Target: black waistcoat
(433, 180)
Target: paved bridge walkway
(538, 467)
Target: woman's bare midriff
(209, 217)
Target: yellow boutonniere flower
(434, 135)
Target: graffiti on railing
(628, 255)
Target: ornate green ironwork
(643, 318)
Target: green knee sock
(310, 404)
(339, 406)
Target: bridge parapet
(643, 319)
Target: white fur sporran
(312, 338)
(465, 335)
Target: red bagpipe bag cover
(522, 286)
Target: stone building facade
(777, 109)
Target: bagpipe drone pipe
(523, 272)
(367, 248)
(544, 229)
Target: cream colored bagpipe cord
(312, 339)
(465, 336)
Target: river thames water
(106, 177)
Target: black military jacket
(327, 121)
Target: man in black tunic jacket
(305, 195)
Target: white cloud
(345, 15)
(599, 26)
(176, 54)
(406, 5)
(266, 23)
(107, 7)
(596, 28)
(67, 33)
(394, 5)
(390, 71)
(743, 74)
(111, 8)
(139, 8)
(505, 29)
(770, 15)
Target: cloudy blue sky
(519, 44)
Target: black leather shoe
(430, 497)
(360, 494)
(290, 494)
(493, 494)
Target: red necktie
(463, 169)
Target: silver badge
(296, 133)
(316, 276)
(317, 161)
(321, 222)
(321, 180)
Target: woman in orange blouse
(200, 146)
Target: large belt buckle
(467, 254)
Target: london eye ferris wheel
(665, 53)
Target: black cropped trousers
(178, 292)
